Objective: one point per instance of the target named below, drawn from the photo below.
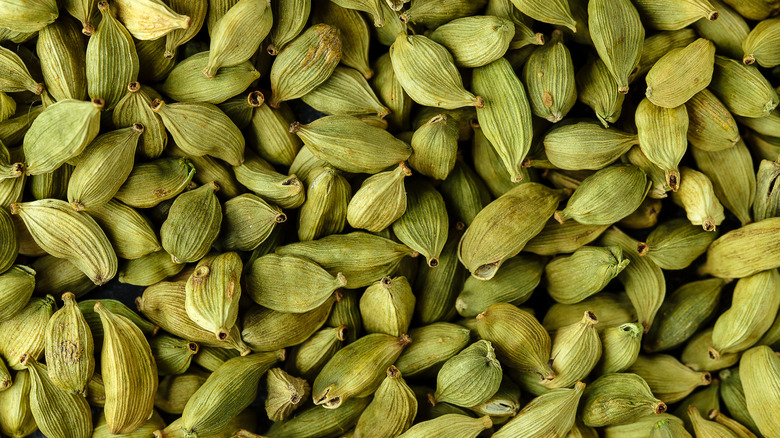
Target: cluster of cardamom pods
(390, 218)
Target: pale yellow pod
(698, 198)
(150, 19)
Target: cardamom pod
(150, 19)
(766, 204)
(549, 76)
(760, 44)
(514, 284)
(69, 349)
(662, 134)
(680, 74)
(172, 355)
(392, 410)
(187, 83)
(16, 77)
(435, 147)
(470, 378)
(571, 279)
(727, 32)
(555, 12)
(711, 127)
(192, 225)
(16, 285)
(61, 50)
(742, 88)
(261, 326)
(667, 377)
(550, 413)
(733, 425)
(152, 424)
(319, 420)
(675, 244)
(424, 225)
(586, 145)
(620, 347)
(435, 13)
(237, 35)
(437, 289)
(696, 355)
(449, 425)
(305, 63)
(291, 18)
(733, 395)
(53, 184)
(490, 167)
(744, 251)
(27, 16)
(270, 136)
(674, 15)
(617, 34)
(697, 196)
(387, 306)
(151, 183)
(325, 210)
(353, 33)
(345, 92)
(576, 350)
(260, 177)
(196, 10)
(556, 238)
(703, 427)
(16, 418)
(308, 358)
(212, 293)
(210, 358)
(135, 107)
(285, 394)
(380, 201)
(618, 398)
(433, 345)
(228, 391)
(390, 91)
(474, 41)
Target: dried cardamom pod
(711, 127)
(270, 136)
(305, 63)
(703, 427)
(391, 92)
(151, 183)
(733, 396)
(71, 235)
(129, 372)
(228, 391)
(248, 221)
(556, 238)
(380, 201)
(449, 425)
(766, 204)
(308, 358)
(260, 177)
(149, 269)
(752, 312)
(576, 350)
(727, 32)
(353, 33)
(617, 34)
(698, 198)
(150, 19)
(154, 423)
(474, 41)
(433, 345)
(680, 74)
(62, 132)
(586, 145)
(172, 355)
(210, 358)
(196, 10)
(607, 196)
(363, 361)
(465, 192)
(667, 377)
(550, 413)
(174, 391)
(641, 427)
(345, 92)
(387, 306)
(489, 166)
(285, 394)
(325, 210)
(351, 145)
(103, 167)
(428, 74)
(391, 412)
(744, 251)
(53, 184)
(128, 230)
(674, 15)
(435, 13)
(362, 258)
(760, 45)
(153, 65)
(17, 284)
(555, 12)
(618, 398)
(520, 341)
(61, 50)
(662, 136)
(620, 347)
(163, 304)
(513, 284)
(261, 326)
(291, 18)
(696, 354)
(87, 308)
(69, 349)
(613, 310)
(643, 280)
(135, 107)
(212, 293)
(470, 378)
(57, 413)
(598, 89)
(111, 41)
(186, 122)
(549, 76)
(683, 313)
(513, 219)
(505, 116)
(731, 173)
(424, 225)
(192, 225)
(320, 420)
(571, 279)
(237, 35)
(668, 429)
(755, 96)
(16, 77)
(733, 425)
(28, 16)
(16, 418)
(675, 244)
(187, 83)
(235, 428)
(437, 289)
(55, 275)
(217, 8)
(435, 147)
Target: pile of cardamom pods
(390, 218)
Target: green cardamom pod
(69, 349)
(16, 77)
(435, 147)
(674, 15)
(642, 427)
(58, 413)
(617, 33)
(154, 423)
(192, 225)
(61, 50)
(490, 167)
(667, 377)
(697, 196)
(16, 418)
(26, 331)
(362, 258)
(474, 41)
(153, 65)
(433, 345)
(618, 398)
(28, 16)
(325, 210)
(556, 238)
(513, 284)
(586, 145)
(248, 221)
(704, 427)
(285, 394)
(151, 183)
(174, 391)
(752, 312)
(683, 313)
(68, 234)
(742, 88)
(17, 285)
(390, 91)
(675, 244)
(520, 341)
(744, 251)
(111, 42)
(437, 289)
(495, 236)
(733, 425)
(228, 391)
(305, 63)
(269, 135)
(316, 420)
(696, 355)
(643, 280)
(597, 89)
(149, 269)
(680, 74)
(11, 242)
(505, 116)
(345, 92)
(187, 83)
(164, 304)
(196, 10)
(711, 127)
(53, 184)
(380, 201)
(56, 276)
(656, 175)
(353, 32)
(571, 279)
(435, 13)
(576, 350)
(260, 177)
(465, 192)
(392, 410)
(550, 413)
(662, 136)
(470, 378)
(237, 35)
(261, 326)
(291, 18)
(732, 176)
(449, 425)
(150, 19)
(428, 74)
(503, 405)
(387, 306)
(424, 225)
(308, 358)
(62, 132)
(135, 107)
(727, 32)
(172, 355)
(614, 310)
(549, 76)
(620, 347)
(103, 167)
(555, 12)
(212, 293)
(760, 45)
(733, 395)
(87, 308)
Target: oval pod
(69, 353)
(212, 293)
